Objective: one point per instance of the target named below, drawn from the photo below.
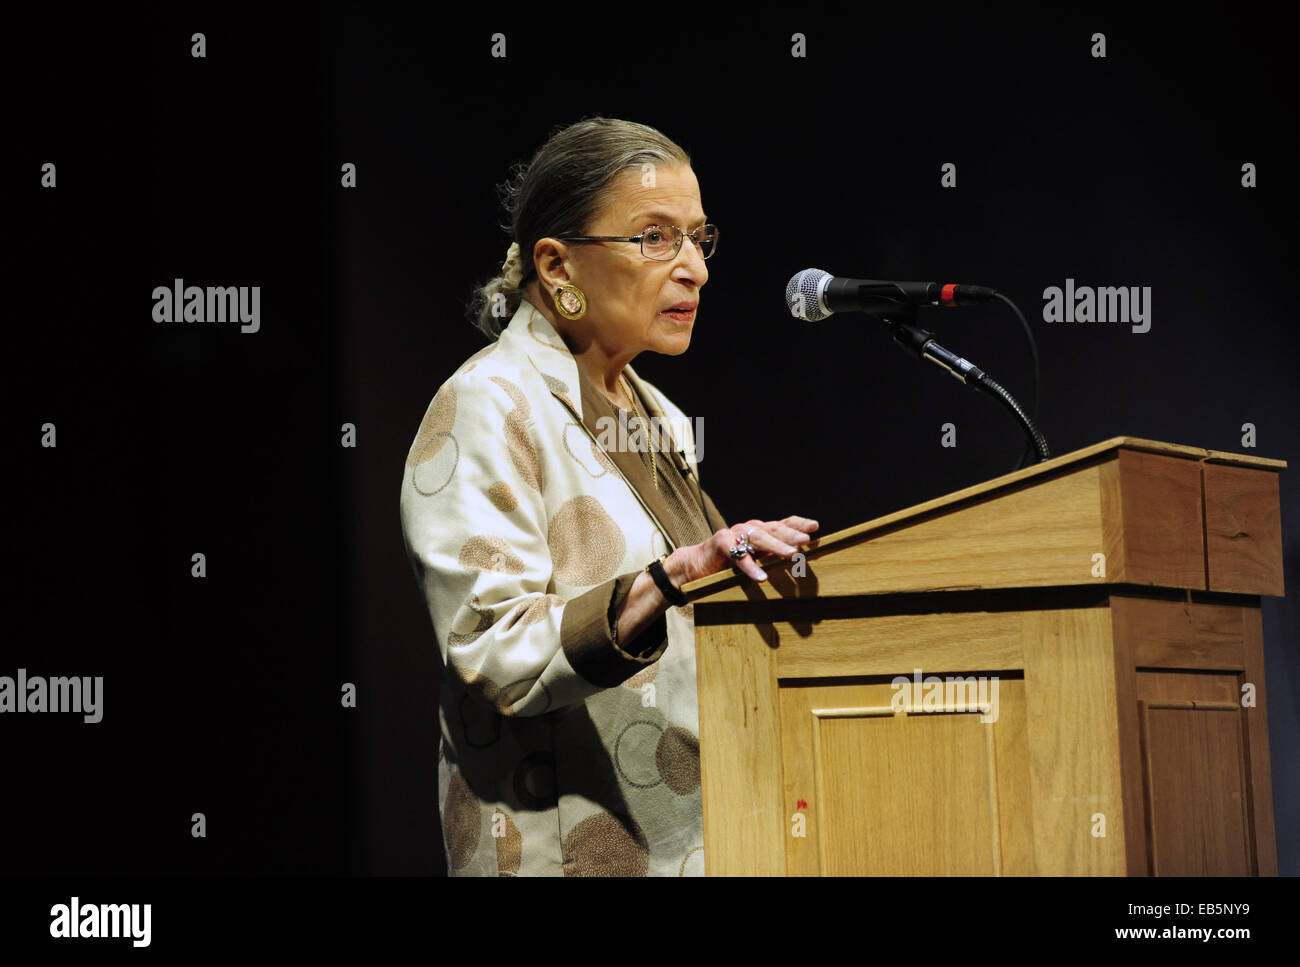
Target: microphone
(812, 295)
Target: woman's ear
(550, 259)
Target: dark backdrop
(222, 695)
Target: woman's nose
(691, 260)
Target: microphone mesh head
(803, 295)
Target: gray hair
(559, 193)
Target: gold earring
(570, 301)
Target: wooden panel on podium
(1059, 671)
(1243, 530)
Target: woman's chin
(673, 335)
(674, 344)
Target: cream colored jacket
(560, 754)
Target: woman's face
(627, 293)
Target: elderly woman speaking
(551, 511)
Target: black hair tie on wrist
(656, 569)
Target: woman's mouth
(682, 314)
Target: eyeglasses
(660, 242)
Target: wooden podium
(1090, 631)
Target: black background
(221, 695)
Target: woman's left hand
(780, 537)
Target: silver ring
(743, 547)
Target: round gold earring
(570, 301)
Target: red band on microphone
(947, 294)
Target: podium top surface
(705, 585)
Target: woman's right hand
(780, 537)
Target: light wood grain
(799, 774)
(740, 739)
(1074, 751)
(906, 794)
(1037, 536)
(894, 644)
(886, 787)
(1131, 621)
(1096, 453)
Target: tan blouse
(588, 624)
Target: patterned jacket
(561, 753)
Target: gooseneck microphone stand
(920, 343)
